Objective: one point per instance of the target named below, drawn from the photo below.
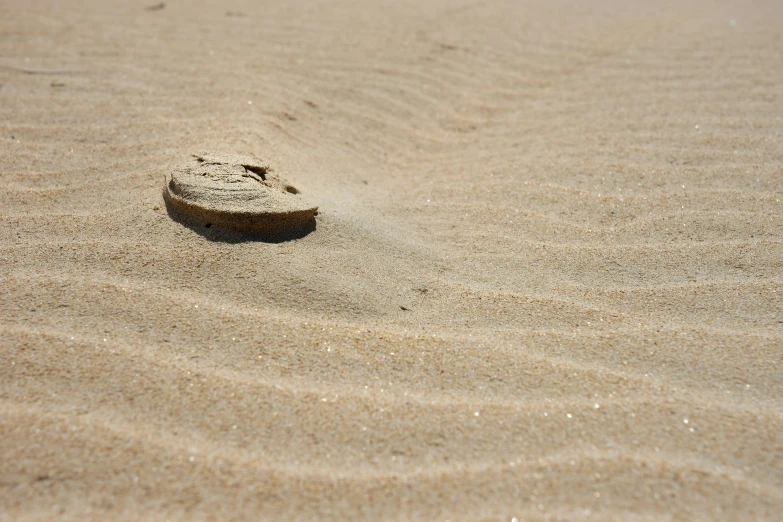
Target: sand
(237, 194)
(544, 282)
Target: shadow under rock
(225, 235)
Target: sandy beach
(544, 281)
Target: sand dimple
(238, 193)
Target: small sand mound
(238, 193)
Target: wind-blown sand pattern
(545, 282)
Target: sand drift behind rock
(237, 193)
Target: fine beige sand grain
(544, 282)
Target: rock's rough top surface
(236, 192)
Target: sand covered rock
(238, 193)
